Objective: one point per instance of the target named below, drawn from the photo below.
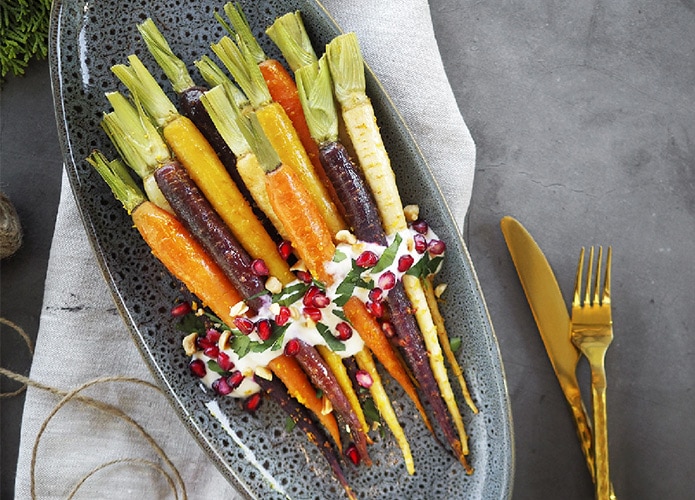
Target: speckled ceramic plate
(255, 452)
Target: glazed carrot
(444, 340)
(324, 379)
(302, 418)
(170, 242)
(301, 218)
(374, 338)
(287, 369)
(347, 68)
(383, 404)
(195, 153)
(278, 127)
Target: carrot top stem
(224, 114)
(116, 175)
(240, 28)
(347, 69)
(134, 135)
(260, 145)
(289, 34)
(240, 62)
(315, 90)
(214, 76)
(174, 68)
(145, 88)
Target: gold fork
(592, 333)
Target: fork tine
(597, 283)
(606, 298)
(576, 299)
(589, 269)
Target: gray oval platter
(87, 38)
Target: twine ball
(10, 228)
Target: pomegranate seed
(405, 262)
(245, 325)
(436, 247)
(224, 361)
(420, 243)
(314, 313)
(387, 280)
(304, 276)
(388, 329)
(235, 379)
(375, 308)
(308, 299)
(259, 267)
(367, 259)
(364, 379)
(285, 249)
(180, 309)
(292, 347)
(421, 226)
(320, 300)
(352, 453)
(221, 387)
(264, 329)
(253, 402)
(344, 331)
(376, 294)
(212, 351)
(198, 368)
(283, 316)
(212, 335)
(204, 343)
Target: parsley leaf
(388, 256)
(333, 343)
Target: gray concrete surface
(583, 117)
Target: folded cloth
(80, 324)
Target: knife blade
(553, 321)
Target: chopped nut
(298, 266)
(412, 212)
(238, 309)
(439, 290)
(294, 313)
(410, 244)
(345, 236)
(327, 406)
(223, 342)
(189, 345)
(264, 373)
(274, 308)
(273, 285)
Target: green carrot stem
(214, 76)
(347, 69)
(289, 34)
(241, 28)
(134, 135)
(240, 63)
(116, 175)
(174, 68)
(224, 114)
(316, 94)
(260, 145)
(145, 88)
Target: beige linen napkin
(82, 337)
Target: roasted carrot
(383, 404)
(170, 242)
(374, 338)
(198, 157)
(347, 69)
(302, 418)
(277, 127)
(280, 84)
(287, 369)
(432, 302)
(324, 379)
(309, 234)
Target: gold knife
(553, 320)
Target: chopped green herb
(289, 424)
(388, 256)
(352, 280)
(339, 256)
(370, 411)
(455, 343)
(291, 294)
(333, 343)
(213, 366)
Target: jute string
(175, 482)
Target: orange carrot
(373, 336)
(287, 369)
(170, 242)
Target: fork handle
(583, 428)
(598, 391)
